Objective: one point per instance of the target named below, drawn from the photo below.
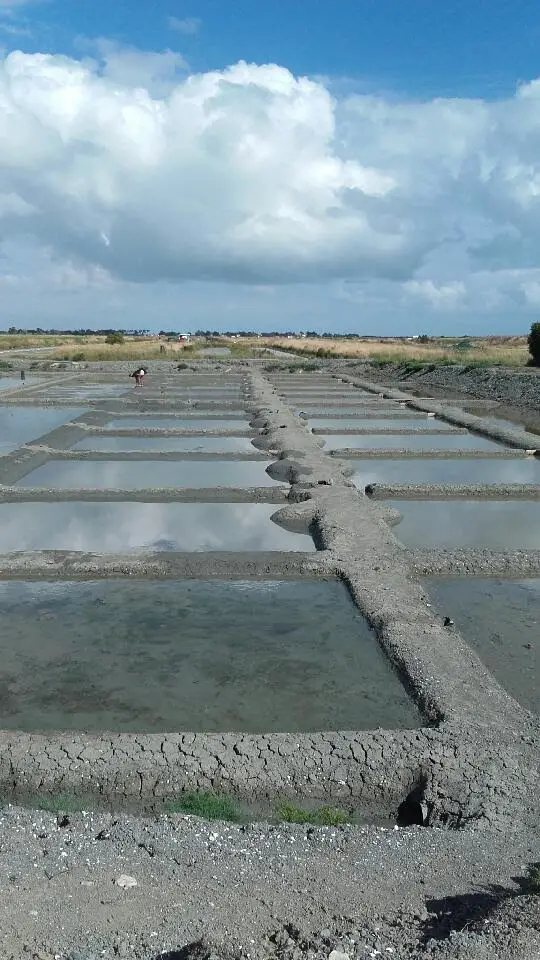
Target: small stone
(125, 881)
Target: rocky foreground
(87, 886)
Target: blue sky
(474, 48)
(395, 190)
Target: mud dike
(209, 577)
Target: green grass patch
(208, 806)
(6, 365)
(61, 803)
(322, 817)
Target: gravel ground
(88, 885)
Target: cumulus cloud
(127, 165)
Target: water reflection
(20, 425)
(456, 441)
(7, 383)
(123, 527)
(316, 410)
(193, 444)
(195, 424)
(510, 525)
(518, 470)
(193, 655)
(135, 474)
(374, 424)
(92, 392)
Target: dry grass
(487, 351)
(28, 341)
(137, 350)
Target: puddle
(374, 424)
(143, 474)
(215, 352)
(177, 423)
(124, 527)
(460, 470)
(456, 441)
(526, 423)
(500, 619)
(90, 390)
(250, 656)
(505, 416)
(7, 383)
(20, 425)
(195, 443)
(511, 525)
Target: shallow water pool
(193, 656)
(124, 527)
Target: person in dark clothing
(139, 375)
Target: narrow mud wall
(517, 388)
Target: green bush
(79, 356)
(533, 341)
(114, 338)
(531, 883)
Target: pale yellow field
(24, 341)
(136, 349)
(510, 351)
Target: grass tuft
(61, 803)
(323, 817)
(208, 806)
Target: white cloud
(156, 73)
(188, 25)
(124, 166)
(445, 296)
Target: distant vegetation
(113, 339)
(471, 351)
(106, 344)
(533, 341)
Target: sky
(364, 166)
